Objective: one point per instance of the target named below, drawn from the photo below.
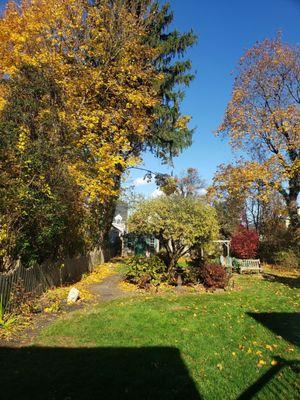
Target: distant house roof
(120, 217)
(122, 210)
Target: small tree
(179, 223)
(244, 243)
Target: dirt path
(106, 290)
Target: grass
(226, 345)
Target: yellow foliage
(263, 118)
(106, 76)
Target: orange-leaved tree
(263, 119)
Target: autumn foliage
(263, 120)
(244, 243)
(82, 84)
(214, 276)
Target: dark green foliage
(168, 139)
(287, 258)
(278, 239)
(235, 263)
(189, 274)
(145, 271)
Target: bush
(244, 243)
(235, 263)
(281, 242)
(214, 276)
(189, 275)
(287, 258)
(145, 271)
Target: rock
(73, 295)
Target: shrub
(287, 258)
(235, 263)
(145, 271)
(185, 221)
(189, 275)
(214, 276)
(244, 243)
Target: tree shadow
(292, 282)
(286, 325)
(95, 373)
(276, 383)
(281, 381)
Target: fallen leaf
(261, 363)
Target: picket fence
(38, 278)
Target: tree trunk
(172, 264)
(293, 212)
(292, 205)
(171, 256)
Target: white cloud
(202, 192)
(157, 193)
(141, 181)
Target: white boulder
(73, 295)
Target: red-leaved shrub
(214, 276)
(244, 243)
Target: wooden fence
(39, 278)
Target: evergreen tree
(170, 131)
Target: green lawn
(230, 345)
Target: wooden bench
(249, 265)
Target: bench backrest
(249, 263)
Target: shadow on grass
(293, 283)
(150, 373)
(279, 382)
(286, 325)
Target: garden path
(109, 288)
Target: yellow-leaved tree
(85, 88)
(263, 119)
(78, 92)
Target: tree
(263, 118)
(179, 223)
(39, 200)
(240, 201)
(190, 183)
(245, 197)
(244, 243)
(230, 212)
(170, 133)
(104, 80)
(78, 90)
(186, 185)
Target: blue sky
(225, 28)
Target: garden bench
(249, 265)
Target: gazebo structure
(225, 259)
(225, 244)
